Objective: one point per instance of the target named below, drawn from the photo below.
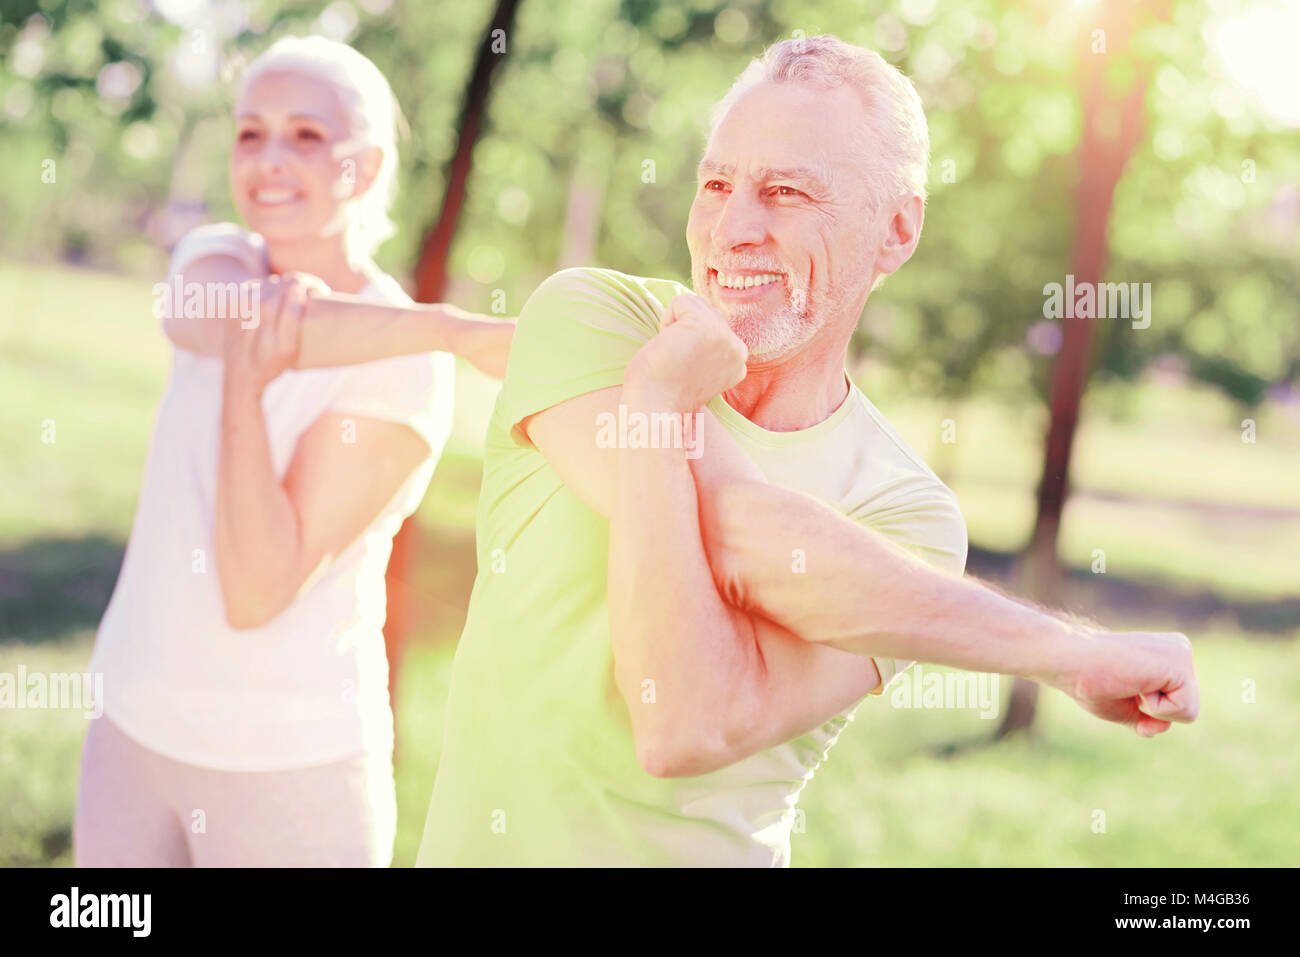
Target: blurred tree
(1112, 125)
(610, 97)
(430, 285)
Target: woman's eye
(247, 136)
(310, 136)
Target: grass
(1159, 485)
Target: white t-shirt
(311, 686)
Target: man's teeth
(274, 195)
(744, 282)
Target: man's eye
(246, 136)
(310, 136)
(714, 185)
(788, 191)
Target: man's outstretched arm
(862, 593)
(744, 678)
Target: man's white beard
(771, 335)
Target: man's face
(780, 231)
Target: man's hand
(694, 357)
(255, 356)
(1141, 679)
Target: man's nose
(741, 223)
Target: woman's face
(294, 167)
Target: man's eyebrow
(803, 173)
(800, 173)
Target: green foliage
(595, 96)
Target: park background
(1148, 142)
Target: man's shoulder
(907, 500)
(598, 288)
(872, 419)
(576, 334)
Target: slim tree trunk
(587, 184)
(1112, 126)
(430, 282)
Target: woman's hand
(256, 355)
(484, 342)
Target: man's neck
(793, 394)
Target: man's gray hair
(897, 155)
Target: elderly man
(672, 626)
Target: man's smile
(745, 285)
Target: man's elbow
(665, 754)
(669, 761)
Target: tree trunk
(1112, 127)
(430, 281)
(587, 184)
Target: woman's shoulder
(222, 239)
(384, 286)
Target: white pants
(136, 808)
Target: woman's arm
(205, 333)
(339, 329)
(272, 537)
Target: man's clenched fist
(694, 357)
(1141, 679)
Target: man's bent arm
(706, 684)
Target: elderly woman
(246, 711)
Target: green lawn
(903, 786)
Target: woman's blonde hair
(374, 119)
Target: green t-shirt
(538, 765)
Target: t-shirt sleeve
(416, 390)
(928, 523)
(223, 239)
(576, 334)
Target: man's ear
(901, 235)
